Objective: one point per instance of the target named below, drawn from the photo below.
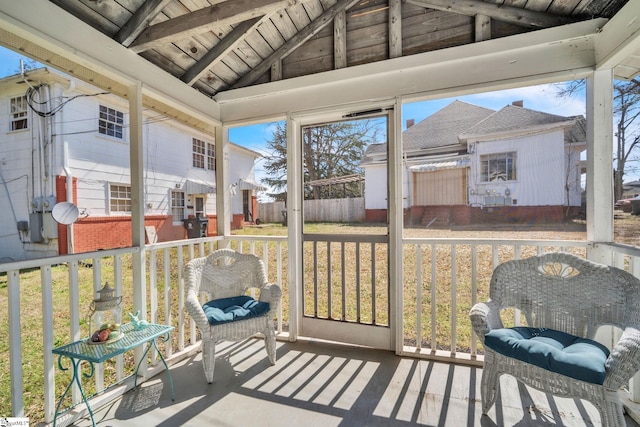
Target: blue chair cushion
(559, 352)
(226, 310)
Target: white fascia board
(45, 24)
(561, 52)
(619, 38)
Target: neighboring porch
(324, 384)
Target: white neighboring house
(76, 149)
(520, 163)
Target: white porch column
(600, 161)
(294, 225)
(223, 194)
(136, 167)
(395, 204)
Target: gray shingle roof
(513, 118)
(443, 127)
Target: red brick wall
(61, 196)
(464, 215)
(109, 232)
(376, 215)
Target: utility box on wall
(42, 227)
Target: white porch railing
(443, 278)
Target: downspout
(69, 196)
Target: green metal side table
(97, 353)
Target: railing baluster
(358, 288)
(454, 299)
(434, 277)
(117, 273)
(97, 285)
(329, 279)
(279, 281)
(474, 294)
(180, 262)
(74, 316)
(153, 293)
(374, 320)
(168, 351)
(344, 282)
(418, 297)
(315, 279)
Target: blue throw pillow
(225, 310)
(559, 352)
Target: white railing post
(47, 343)
(15, 344)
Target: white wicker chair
(226, 273)
(563, 292)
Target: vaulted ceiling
(215, 46)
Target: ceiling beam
(139, 20)
(42, 30)
(555, 54)
(294, 42)
(513, 15)
(230, 12)
(395, 29)
(226, 45)
(619, 38)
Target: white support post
(600, 161)
(294, 225)
(137, 206)
(395, 206)
(224, 215)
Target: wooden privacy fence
(322, 210)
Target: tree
(626, 114)
(329, 151)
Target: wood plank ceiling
(216, 45)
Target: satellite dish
(65, 213)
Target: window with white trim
(111, 122)
(204, 155)
(120, 198)
(177, 205)
(18, 114)
(498, 167)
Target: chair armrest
(272, 294)
(624, 360)
(194, 308)
(484, 317)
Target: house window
(177, 206)
(111, 122)
(19, 113)
(498, 167)
(120, 198)
(204, 155)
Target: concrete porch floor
(316, 384)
